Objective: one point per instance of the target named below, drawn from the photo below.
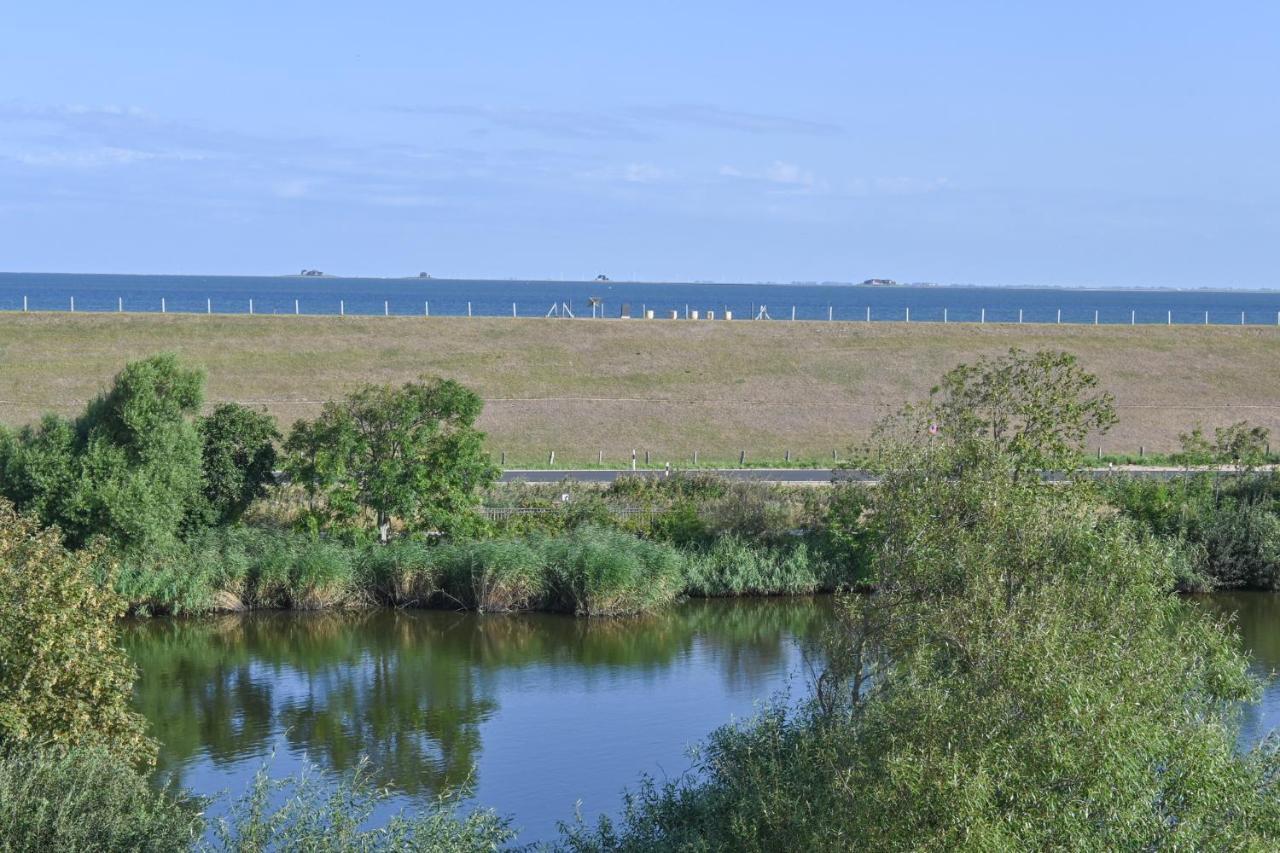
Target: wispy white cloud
(779, 176)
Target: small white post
(983, 318)
(1206, 318)
(1133, 315)
(162, 305)
(250, 306)
(73, 303)
(342, 308)
(295, 308)
(1168, 320)
(426, 309)
(1095, 317)
(633, 460)
(1059, 316)
(1019, 316)
(468, 309)
(386, 309)
(1241, 318)
(24, 305)
(793, 313)
(868, 313)
(513, 309)
(208, 306)
(119, 304)
(944, 316)
(908, 314)
(830, 313)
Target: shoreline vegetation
(1006, 683)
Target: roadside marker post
(73, 304)
(342, 308)
(250, 306)
(24, 305)
(295, 307)
(1019, 316)
(208, 305)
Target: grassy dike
(584, 386)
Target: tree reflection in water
(410, 689)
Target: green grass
(581, 387)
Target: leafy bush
(238, 459)
(89, 800)
(63, 678)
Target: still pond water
(534, 712)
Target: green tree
(129, 468)
(238, 459)
(411, 453)
(64, 680)
(1035, 408)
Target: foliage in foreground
(303, 813)
(1021, 680)
(64, 680)
(87, 800)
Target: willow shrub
(1023, 679)
(601, 572)
(86, 800)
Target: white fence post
(1059, 316)
(24, 305)
(1095, 317)
(983, 317)
(468, 309)
(868, 313)
(386, 308)
(908, 314)
(830, 312)
(1133, 318)
(944, 316)
(513, 309)
(162, 305)
(208, 305)
(1019, 316)
(250, 306)
(342, 308)
(73, 306)
(119, 304)
(793, 312)
(426, 309)
(295, 308)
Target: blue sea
(448, 297)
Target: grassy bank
(581, 387)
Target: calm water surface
(535, 712)
(277, 295)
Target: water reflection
(587, 703)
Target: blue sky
(995, 143)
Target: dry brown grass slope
(580, 386)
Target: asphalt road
(796, 476)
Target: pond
(534, 713)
